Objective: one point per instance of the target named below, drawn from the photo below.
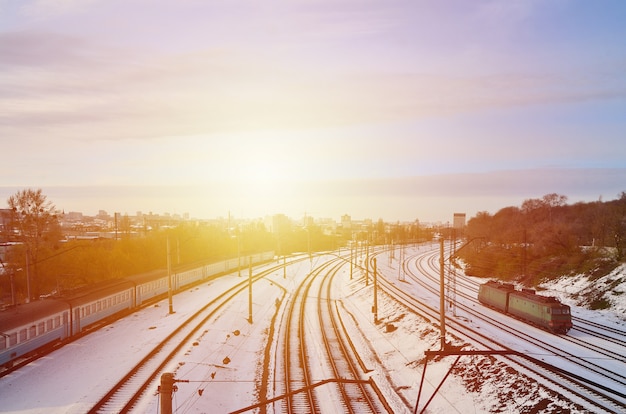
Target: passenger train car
(544, 311)
(26, 328)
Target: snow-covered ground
(579, 291)
(224, 365)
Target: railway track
(358, 397)
(321, 372)
(122, 397)
(606, 341)
(606, 345)
(592, 393)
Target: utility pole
(169, 278)
(367, 261)
(250, 291)
(238, 254)
(27, 274)
(375, 307)
(351, 260)
(442, 310)
(451, 282)
(400, 261)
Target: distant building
(346, 226)
(281, 224)
(459, 221)
(346, 222)
(74, 216)
(103, 215)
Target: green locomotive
(544, 311)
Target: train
(546, 312)
(27, 328)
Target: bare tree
(35, 220)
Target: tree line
(546, 238)
(38, 260)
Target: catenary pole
(442, 310)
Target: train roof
(23, 314)
(89, 293)
(148, 276)
(530, 294)
(500, 285)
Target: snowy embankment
(607, 294)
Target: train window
(41, 328)
(57, 321)
(23, 335)
(32, 332)
(13, 339)
(49, 324)
(548, 309)
(565, 311)
(99, 306)
(3, 343)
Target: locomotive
(29, 327)
(543, 311)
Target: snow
(224, 366)
(578, 290)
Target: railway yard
(318, 334)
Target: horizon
(132, 199)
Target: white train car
(100, 302)
(26, 328)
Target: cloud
(44, 9)
(34, 49)
(90, 91)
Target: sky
(399, 110)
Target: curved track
(321, 371)
(423, 269)
(123, 395)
